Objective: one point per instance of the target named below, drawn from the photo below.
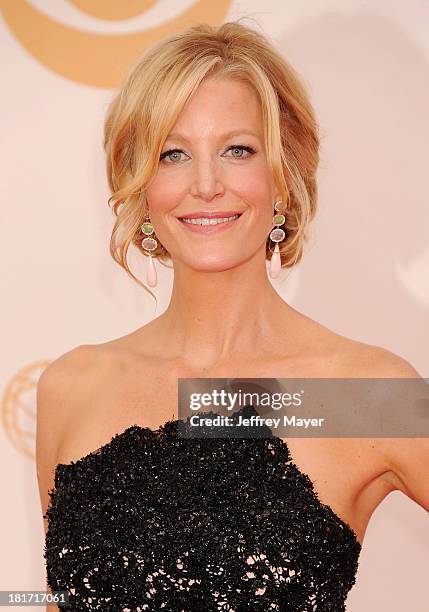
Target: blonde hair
(155, 91)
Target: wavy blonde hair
(155, 91)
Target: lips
(210, 215)
(205, 221)
(209, 224)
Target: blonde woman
(211, 124)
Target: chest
(148, 398)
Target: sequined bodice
(155, 521)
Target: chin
(213, 263)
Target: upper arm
(409, 461)
(54, 389)
(406, 458)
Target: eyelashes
(248, 149)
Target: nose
(206, 181)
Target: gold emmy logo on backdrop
(19, 408)
(93, 58)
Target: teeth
(208, 220)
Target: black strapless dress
(156, 521)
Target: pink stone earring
(277, 236)
(149, 245)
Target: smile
(209, 225)
(208, 220)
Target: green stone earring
(149, 244)
(277, 235)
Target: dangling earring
(277, 236)
(149, 245)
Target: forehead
(220, 105)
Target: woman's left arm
(408, 458)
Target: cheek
(253, 185)
(166, 192)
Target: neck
(215, 318)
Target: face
(214, 163)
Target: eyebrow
(226, 135)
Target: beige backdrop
(365, 273)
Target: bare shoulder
(61, 376)
(60, 388)
(68, 379)
(72, 362)
(329, 353)
(359, 359)
(363, 360)
(74, 367)
(53, 389)
(378, 362)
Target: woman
(210, 124)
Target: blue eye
(236, 148)
(241, 148)
(170, 152)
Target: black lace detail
(154, 521)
